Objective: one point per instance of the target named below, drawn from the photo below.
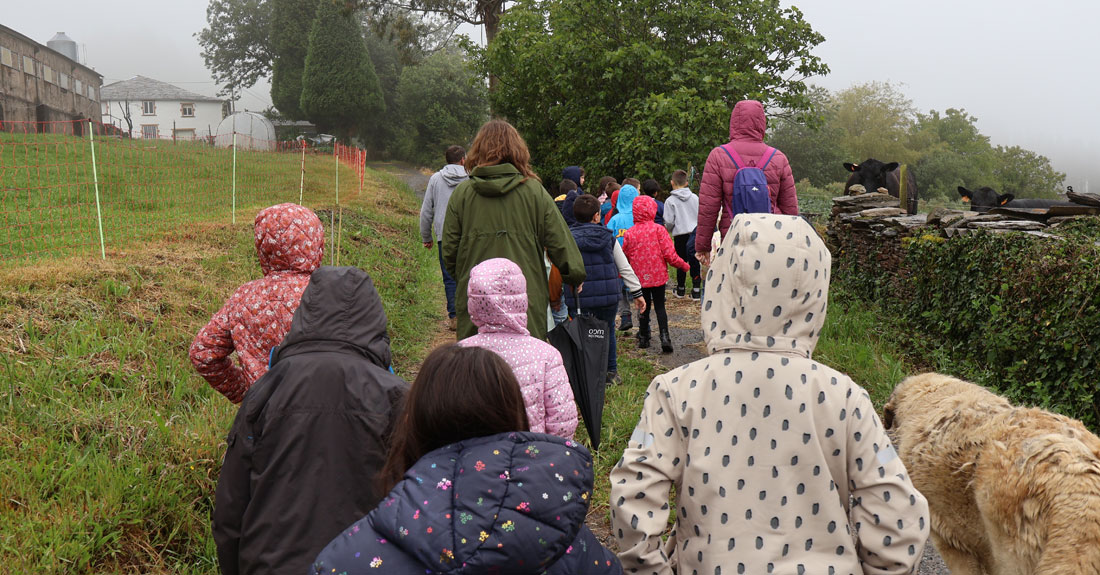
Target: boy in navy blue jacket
(604, 264)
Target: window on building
(28, 65)
(187, 110)
(149, 131)
(185, 134)
(92, 95)
(47, 74)
(6, 57)
(63, 80)
(78, 86)
(148, 108)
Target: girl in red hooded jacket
(289, 244)
(650, 251)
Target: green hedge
(1014, 312)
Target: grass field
(146, 189)
(110, 445)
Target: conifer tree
(291, 23)
(340, 91)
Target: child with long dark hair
(470, 489)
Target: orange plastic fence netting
(76, 188)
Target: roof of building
(15, 33)
(142, 88)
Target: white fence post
(332, 214)
(234, 175)
(302, 182)
(95, 179)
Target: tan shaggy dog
(1010, 490)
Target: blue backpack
(750, 185)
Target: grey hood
(768, 287)
(453, 174)
(680, 194)
(340, 309)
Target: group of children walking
(336, 465)
(627, 249)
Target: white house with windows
(148, 108)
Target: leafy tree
(953, 153)
(643, 87)
(236, 44)
(1026, 174)
(812, 142)
(442, 102)
(291, 25)
(340, 90)
(474, 12)
(875, 119)
(414, 36)
(383, 131)
(397, 38)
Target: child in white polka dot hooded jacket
(780, 463)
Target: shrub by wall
(1015, 312)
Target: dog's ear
(888, 414)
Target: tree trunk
(491, 11)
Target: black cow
(986, 198)
(873, 174)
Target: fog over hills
(1027, 71)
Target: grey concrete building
(44, 89)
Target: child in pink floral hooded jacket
(290, 242)
(497, 301)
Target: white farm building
(148, 108)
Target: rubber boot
(643, 340)
(625, 324)
(666, 342)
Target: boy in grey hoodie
(681, 216)
(434, 208)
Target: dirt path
(416, 178)
(687, 340)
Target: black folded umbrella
(583, 344)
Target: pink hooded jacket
(497, 301)
(289, 244)
(747, 126)
(648, 247)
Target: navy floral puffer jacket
(512, 504)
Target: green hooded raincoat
(498, 213)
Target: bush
(1013, 312)
(817, 203)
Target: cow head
(871, 174)
(984, 198)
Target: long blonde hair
(497, 142)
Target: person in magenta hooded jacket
(497, 300)
(748, 123)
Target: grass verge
(110, 445)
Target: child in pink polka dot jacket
(497, 302)
(780, 463)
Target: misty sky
(1024, 69)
